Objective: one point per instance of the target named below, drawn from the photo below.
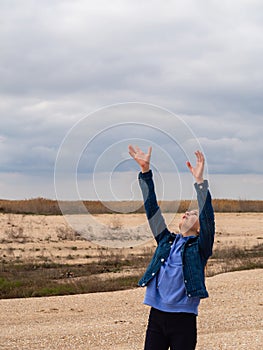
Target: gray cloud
(61, 60)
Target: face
(189, 222)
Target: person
(175, 277)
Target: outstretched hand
(143, 159)
(198, 170)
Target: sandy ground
(231, 318)
(50, 238)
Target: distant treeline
(42, 206)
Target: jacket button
(189, 295)
(162, 260)
(153, 274)
(185, 281)
(143, 284)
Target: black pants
(170, 330)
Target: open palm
(143, 159)
(198, 170)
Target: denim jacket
(195, 251)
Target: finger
(189, 165)
(201, 157)
(137, 149)
(150, 151)
(131, 151)
(139, 152)
(198, 156)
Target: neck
(189, 233)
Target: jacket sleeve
(153, 212)
(206, 219)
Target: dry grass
(42, 206)
(108, 274)
(234, 258)
(45, 279)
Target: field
(41, 255)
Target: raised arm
(153, 212)
(206, 212)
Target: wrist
(199, 180)
(145, 169)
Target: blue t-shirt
(166, 291)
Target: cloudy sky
(80, 80)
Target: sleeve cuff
(147, 175)
(202, 186)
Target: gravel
(230, 319)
